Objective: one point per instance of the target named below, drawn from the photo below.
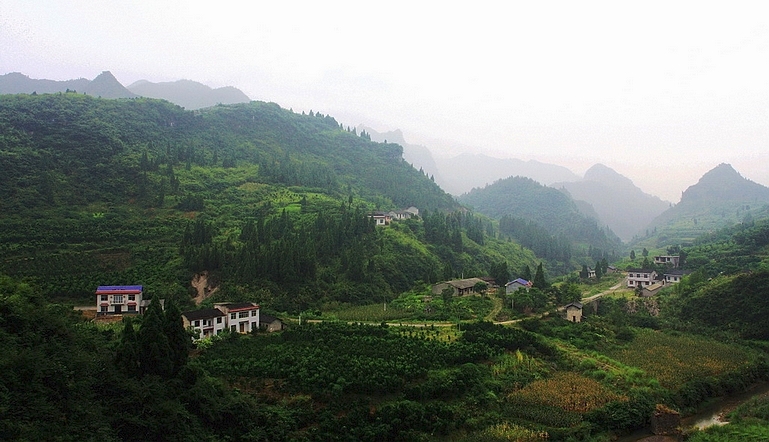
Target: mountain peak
(724, 183)
(605, 174)
(106, 85)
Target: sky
(661, 92)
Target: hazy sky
(662, 92)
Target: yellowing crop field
(676, 359)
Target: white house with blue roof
(119, 299)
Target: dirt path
(608, 291)
(495, 309)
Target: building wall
(243, 321)
(574, 314)
(118, 304)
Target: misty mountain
(189, 94)
(105, 85)
(18, 83)
(556, 211)
(186, 93)
(722, 197)
(417, 155)
(468, 171)
(618, 203)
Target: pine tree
(526, 273)
(178, 338)
(154, 350)
(539, 278)
(127, 356)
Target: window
(243, 314)
(132, 308)
(103, 297)
(253, 312)
(234, 328)
(104, 309)
(132, 297)
(117, 299)
(197, 323)
(219, 320)
(232, 316)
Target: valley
(301, 217)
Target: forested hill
(555, 211)
(721, 198)
(73, 149)
(271, 204)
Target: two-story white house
(207, 322)
(119, 299)
(241, 317)
(640, 277)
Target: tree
(632, 255)
(480, 287)
(598, 270)
(155, 357)
(447, 294)
(526, 273)
(584, 272)
(539, 278)
(645, 252)
(500, 273)
(127, 355)
(178, 338)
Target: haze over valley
(384, 222)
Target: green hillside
(272, 204)
(544, 219)
(721, 198)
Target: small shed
(651, 290)
(574, 311)
(271, 324)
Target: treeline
(76, 149)
(545, 220)
(727, 292)
(340, 255)
(536, 238)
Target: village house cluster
(385, 218)
(650, 281)
(242, 317)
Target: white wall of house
(206, 327)
(243, 320)
(640, 277)
(111, 304)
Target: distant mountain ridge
(185, 93)
(460, 174)
(722, 197)
(469, 171)
(189, 94)
(618, 203)
(105, 85)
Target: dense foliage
(545, 220)
(261, 199)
